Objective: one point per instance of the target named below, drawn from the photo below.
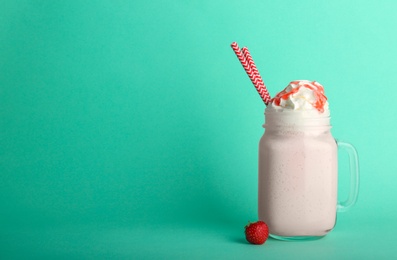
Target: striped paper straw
(251, 63)
(252, 73)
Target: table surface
(351, 239)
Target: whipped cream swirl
(301, 95)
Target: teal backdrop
(129, 130)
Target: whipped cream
(301, 95)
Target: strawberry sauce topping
(317, 88)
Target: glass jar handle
(354, 177)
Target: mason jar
(298, 174)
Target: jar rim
(288, 117)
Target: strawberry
(257, 232)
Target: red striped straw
(248, 64)
(251, 63)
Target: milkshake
(298, 167)
(297, 188)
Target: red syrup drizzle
(317, 88)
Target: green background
(128, 129)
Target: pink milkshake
(298, 166)
(297, 189)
